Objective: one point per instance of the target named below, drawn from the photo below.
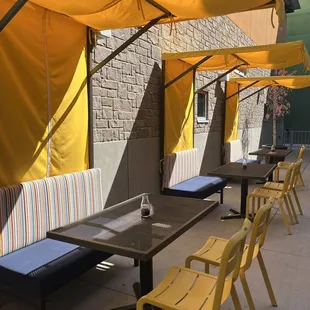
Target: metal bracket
(218, 78)
(126, 44)
(257, 91)
(11, 13)
(243, 89)
(193, 67)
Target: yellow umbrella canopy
(274, 56)
(293, 82)
(114, 14)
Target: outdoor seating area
(278, 279)
(132, 176)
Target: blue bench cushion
(197, 187)
(40, 268)
(36, 255)
(249, 161)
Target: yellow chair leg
(140, 304)
(297, 201)
(292, 207)
(235, 298)
(207, 268)
(301, 180)
(289, 211)
(266, 279)
(188, 262)
(287, 225)
(247, 290)
(248, 206)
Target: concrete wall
(127, 97)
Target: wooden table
(121, 230)
(236, 170)
(272, 157)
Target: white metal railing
(293, 137)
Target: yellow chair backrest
(231, 260)
(258, 234)
(288, 178)
(296, 172)
(301, 153)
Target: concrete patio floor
(286, 257)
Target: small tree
(277, 102)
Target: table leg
(271, 161)
(244, 193)
(146, 276)
(146, 283)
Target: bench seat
(32, 265)
(198, 187)
(40, 268)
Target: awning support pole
(257, 91)
(11, 13)
(90, 46)
(126, 44)
(241, 90)
(159, 7)
(218, 78)
(192, 68)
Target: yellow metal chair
(285, 164)
(211, 253)
(279, 196)
(186, 289)
(291, 189)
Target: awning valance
(294, 82)
(115, 14)
(274, 56)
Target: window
(202, 107)
(241, 72)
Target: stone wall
(126, 104)
(127, 90)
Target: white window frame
(204, 119)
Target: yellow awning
(294, 82)
(274, 56)
(114, 14)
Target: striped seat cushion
(74, 196)
(30, 209)
(24, 215)
(180, 166)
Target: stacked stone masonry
(127, 90)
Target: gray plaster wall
(128, 168)
(131, 167)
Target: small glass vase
(146, 207)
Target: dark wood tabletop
(121, 230)
(275, 153)
(235, 170)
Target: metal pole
(218, 78)
(243, 89)
(126, 44)
(11, 13)
(194, 67)
(223, 128)
(90, 99)
(159, 7)
(253, 93)
(162, 124)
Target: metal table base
(244, 194)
